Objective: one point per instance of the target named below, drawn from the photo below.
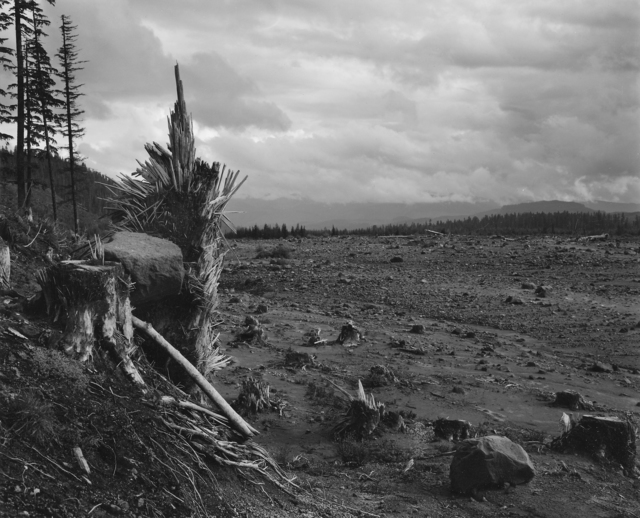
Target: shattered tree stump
(362, 417)
(93, 302)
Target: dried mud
(472, 356)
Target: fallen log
(238, 424)
(598, 237)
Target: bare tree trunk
(17, 4)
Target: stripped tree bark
(5, 266)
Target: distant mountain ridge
(318, 215)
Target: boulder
(488, 462)
(155, 265)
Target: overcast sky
(376, 100)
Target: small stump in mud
(362, 418)
(252, 332)
(607, 438)
(453, 429)
(379, 376)
(313, 339)
(417, 329)
(571, 400)
(253, 398)
(350, 335)
(298, 360)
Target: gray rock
(489, 462)
(154, 264)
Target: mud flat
(481, 329)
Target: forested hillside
(91, 186)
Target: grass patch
(27, 415)
(353, 453)
(325, 395)
(388, 451)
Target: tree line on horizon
(267, 231)
(41, 102)
(556, 223)
(91, 187)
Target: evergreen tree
(19, 18)
(70, 64)
(41, 94)
(21, 14)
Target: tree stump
(93, 302)
(606, 437)
(5, 266)
(571, 400)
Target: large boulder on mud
(488, 462)
(154, 264)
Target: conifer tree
(21, 11)
(42, 95)
(69, 65)
(19, 8)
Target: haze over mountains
(318, 215)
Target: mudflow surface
(475, 329)
(505, 325)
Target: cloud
(219, 97)
(376, 100)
